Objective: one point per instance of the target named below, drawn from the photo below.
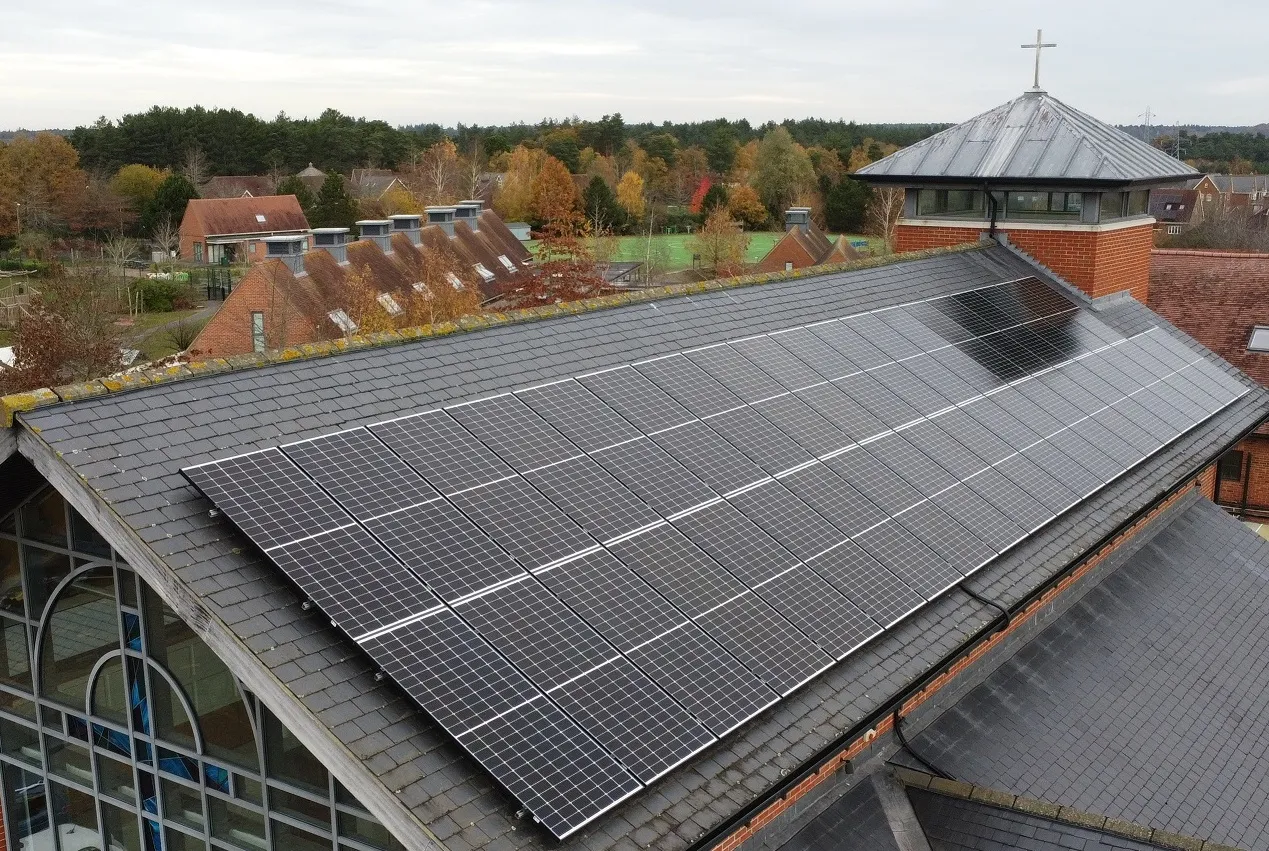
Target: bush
(162, 296)
(7, 265)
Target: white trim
(1073, 227)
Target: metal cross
(1037, 47)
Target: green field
(678, 248)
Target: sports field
(678, 248)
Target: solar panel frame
(760, 439)
(834, 499)
(782, 515)
(691, 386)
(788, 369)
(514, 432)
(779, 654)
(819, 610)
(736, 372)
(639, 401)
(709, 456)
(442, 451)
(873, 588)
(523, 522)
(593, 498)
(655, 476)
(800, 422)
(736, 542)
(579, 415)
(682, 572)
(360, 473)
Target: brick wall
(228, 332)
(865, 743)
(1256, 483)
(787, 250)
(1098, 262)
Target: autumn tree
(721, 244)
(630, 195)
(194, 166)
(362, 302)
(554, 195)
(41, 183)
(334, 207)
(691, 169)
(745, 206)
(138, 183)
(168, 203)
(782, 170)
(67, 333)
(446, 289)
(438, 174)
(513, 201)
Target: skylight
(389, 304)
(421, 289)
(343, 320)
(456, 282)
(507, 264)
(1259, 341)
(260, 218)
(485, 274)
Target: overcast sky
(66, 63)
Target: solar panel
(588, 581)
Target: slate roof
(1035, 137)
(1216, 297)
(1146, 701)
(954, 824)
(1175, 206)
(854, 822)
(323, 677)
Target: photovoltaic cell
(445, 549)
(447, 455)
(924, 472)
(1126, 429)
(917, 565)
(691, 386)
(736, 543)
(895, 345)
(937, 316)
(676, 567)
(800, 421)
(736, 372)
(877, 482)
(653, 474)
(703, 451)
(917, 332)
(579, 415)
(950, 386)
(267, 497)
(1000, 423)
(915, 393)
(707, 680)
(1038, 484)
(831, 403)
(541, 636)
(545, 759)
(787, 519)
(633, 718)
(511, 429)
(1065, 469)
(990, 358)
(819, 355)
(953, 456)
(823, 613)
(873, 395)
(778, 362)
(971, 434)
(1038, 420)
(355, 581)
(969, 370)
(1086, 454)
(834, 499)
(765, 643)
(867, 583)
(1103, 438)
(955, 544)
(980, 517)
(849, 344)
(362, 474)
(757, 437)
(636, 399)
(523, 521)
(1011, 500)
(596, 501)
(613, 599)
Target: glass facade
(121, 730)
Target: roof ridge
(1205, 252)
(45, 396)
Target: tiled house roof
(212, 217)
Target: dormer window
(506, 263)
(485, 274)
(456, 282)
(388, 303)
(343, 320)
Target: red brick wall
(743, 834)
(786, 250)
(229, 331)
(1098, 262)
(1257, 481)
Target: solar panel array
(589, 581)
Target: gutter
(827, 754)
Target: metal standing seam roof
(1033, 137)
(369, 733)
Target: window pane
(367, 830)
(963, 201)
(300, 808)
(121, 828)
(177, 841)
(82, 628)
(116, 779)
(1074, 202)
(127, 588)
(71, 807)
(294, 839)
(1138, 202)
(84, 538)
(44, 519)
(1028, 202)
(1231, 466)
(182, 804)
(15, 660)
(1112, 205)
(927, 202)
(108, 693)
(20, 742)
(289, 760)
(19, 706)
(237, 825)
(24, 804)
(70, 761)
(211, 688)
(10, 578)
(44, 570)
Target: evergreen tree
(334, 206)
(846, 206)
(168, 203)
(721, 149)
(716, 197)
(292, 185)
(599, 204)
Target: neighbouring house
(236, 186)
(804, 245)
(233, 230)
(1174, 210)
(914, 556)
(371, 184)
(1057, 183)
(1248, 192)
(312, 177)
(1221, 299)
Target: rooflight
(389, 304)
(343, 320)
(421, 289)
(1259, 341)
(456, 282)
(484, 273)
(507, 264)
(260, 218)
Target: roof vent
(409, 225)
(333, 240)
(288, 249)
(797, 217)
(443, 217)
(378, 231)
(469, 211)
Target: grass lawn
(149, 332)
(6, 338)
(678, 247)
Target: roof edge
(1204, 252)
(13, 404)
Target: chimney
(378, 231)
(443, 216)
(334, 240)
(797, 217)
(469, 211)
(288, 249)
(408, 224)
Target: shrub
(162, 296)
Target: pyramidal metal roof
(1035, 137)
